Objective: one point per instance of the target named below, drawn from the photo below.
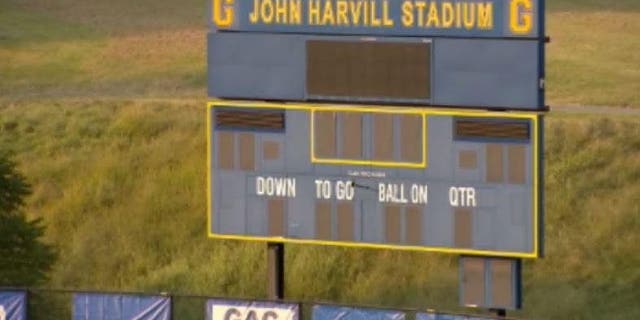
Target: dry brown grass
(137, 54)
(122, 16)
(157, 48)
(48, 56)
(594, 58)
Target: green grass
(120, 179)
(592, 5)
(117, 17)
(73, 48)
(121, 186)
(96, 49)
(592, 59)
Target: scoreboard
(485, 54)
(404, 124)
(491, 74)
(373, 176)
(442, 18)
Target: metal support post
(500, 313)
(275, 270)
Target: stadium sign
(461, 18)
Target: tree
(13, 186)
(24, 258)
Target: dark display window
(366, 69)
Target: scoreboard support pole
(275, 270)
(493, 283)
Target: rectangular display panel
(491, 283)
(367, 69)
(409, 18)
(469, 73)
(462, 182)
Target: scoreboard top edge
(369, 107)
(377, 104)
(411, 18)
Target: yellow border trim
(425, 112)
(209, 171)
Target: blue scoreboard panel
(407, 18)
(444, 72)
(378, 123)
(446, 180)
(486, 54)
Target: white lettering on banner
(3, 314)
(276, 187)
(462, 197)
(251, 313)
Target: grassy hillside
(122, 188)
(70, 48)
(120, 178)
(592, 57)
(76, 48)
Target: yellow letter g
(521, 20)
(223, 13)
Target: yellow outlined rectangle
(425, 112)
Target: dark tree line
(25, 259)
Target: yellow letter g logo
(223, 13)
(521, 16)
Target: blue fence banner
(93, 306)
(321, 312)
(13, 305)
(222, 309)
(441, 316)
